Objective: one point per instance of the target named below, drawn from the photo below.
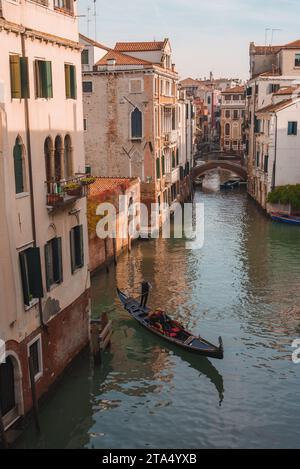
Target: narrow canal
(244, 285)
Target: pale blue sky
(205, 35)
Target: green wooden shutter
(24, 278)
(15, 76)
(48, 265)
(173, 159)
(18, 167)
(49, 89)
(57, 260)
(24, 77)
(38, 78)
(67, 81)
(157, 168)
(81, 245)
(73, 81)
(163, 164)
(34, 272)
(72, 250)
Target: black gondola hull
(194, 344)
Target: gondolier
(145, 293)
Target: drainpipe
(275, 154)
(28, 139)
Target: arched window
(19, 165)
(136, 124)
(227, 129)
(48, 150)
(68, 157)
(58, 158)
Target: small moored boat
(284, 218)
(183, 338)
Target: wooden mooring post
(106, 255)
(101, 332)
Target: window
(208, 99)
(87, 86)
(64, 5)
(236, 97)
(19, 81)
(235, 114)
(297, 60)
(227, 114)
(35, 356)
(85, 124)
(227, 129)
(77, 248)
(173, 118)
(173, 159)
(53, 261)
(163, 164)
(43, 79)
(157, 168)
(228, 97)
(177, 157)
(266, 163)
(19, 166)
(31, 275)
(85, 57)
(273, 88)
(292, 128)
(70, 81)
(136, 124)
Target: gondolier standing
(145, 293)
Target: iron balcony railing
(66, 191)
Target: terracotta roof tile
(287, 91)
(140, 46)
(276, 107)
(103, 184)
(236, 89)
(93, 43)
(294, 44)
(121, 59)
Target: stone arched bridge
(234, 167)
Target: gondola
(184, 338)
(282, 218)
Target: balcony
(173, 176)
(62, 194)
(170, 138)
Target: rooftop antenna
(88, 21)
(95, 15)
(266, 36)
(273, 31)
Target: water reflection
(243, 285)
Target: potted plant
(54, 199)
(74, 189)
(88, 180)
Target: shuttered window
(292, 128)
(163, 164)
(18, 167)
(136, 124)
(70, 81)
(157, 168)
(173, 159)
(53, 261)
(35, 354)
(43, 79)
(19, 81)
(31, 275)
(77, 248)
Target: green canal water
(243, 285)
